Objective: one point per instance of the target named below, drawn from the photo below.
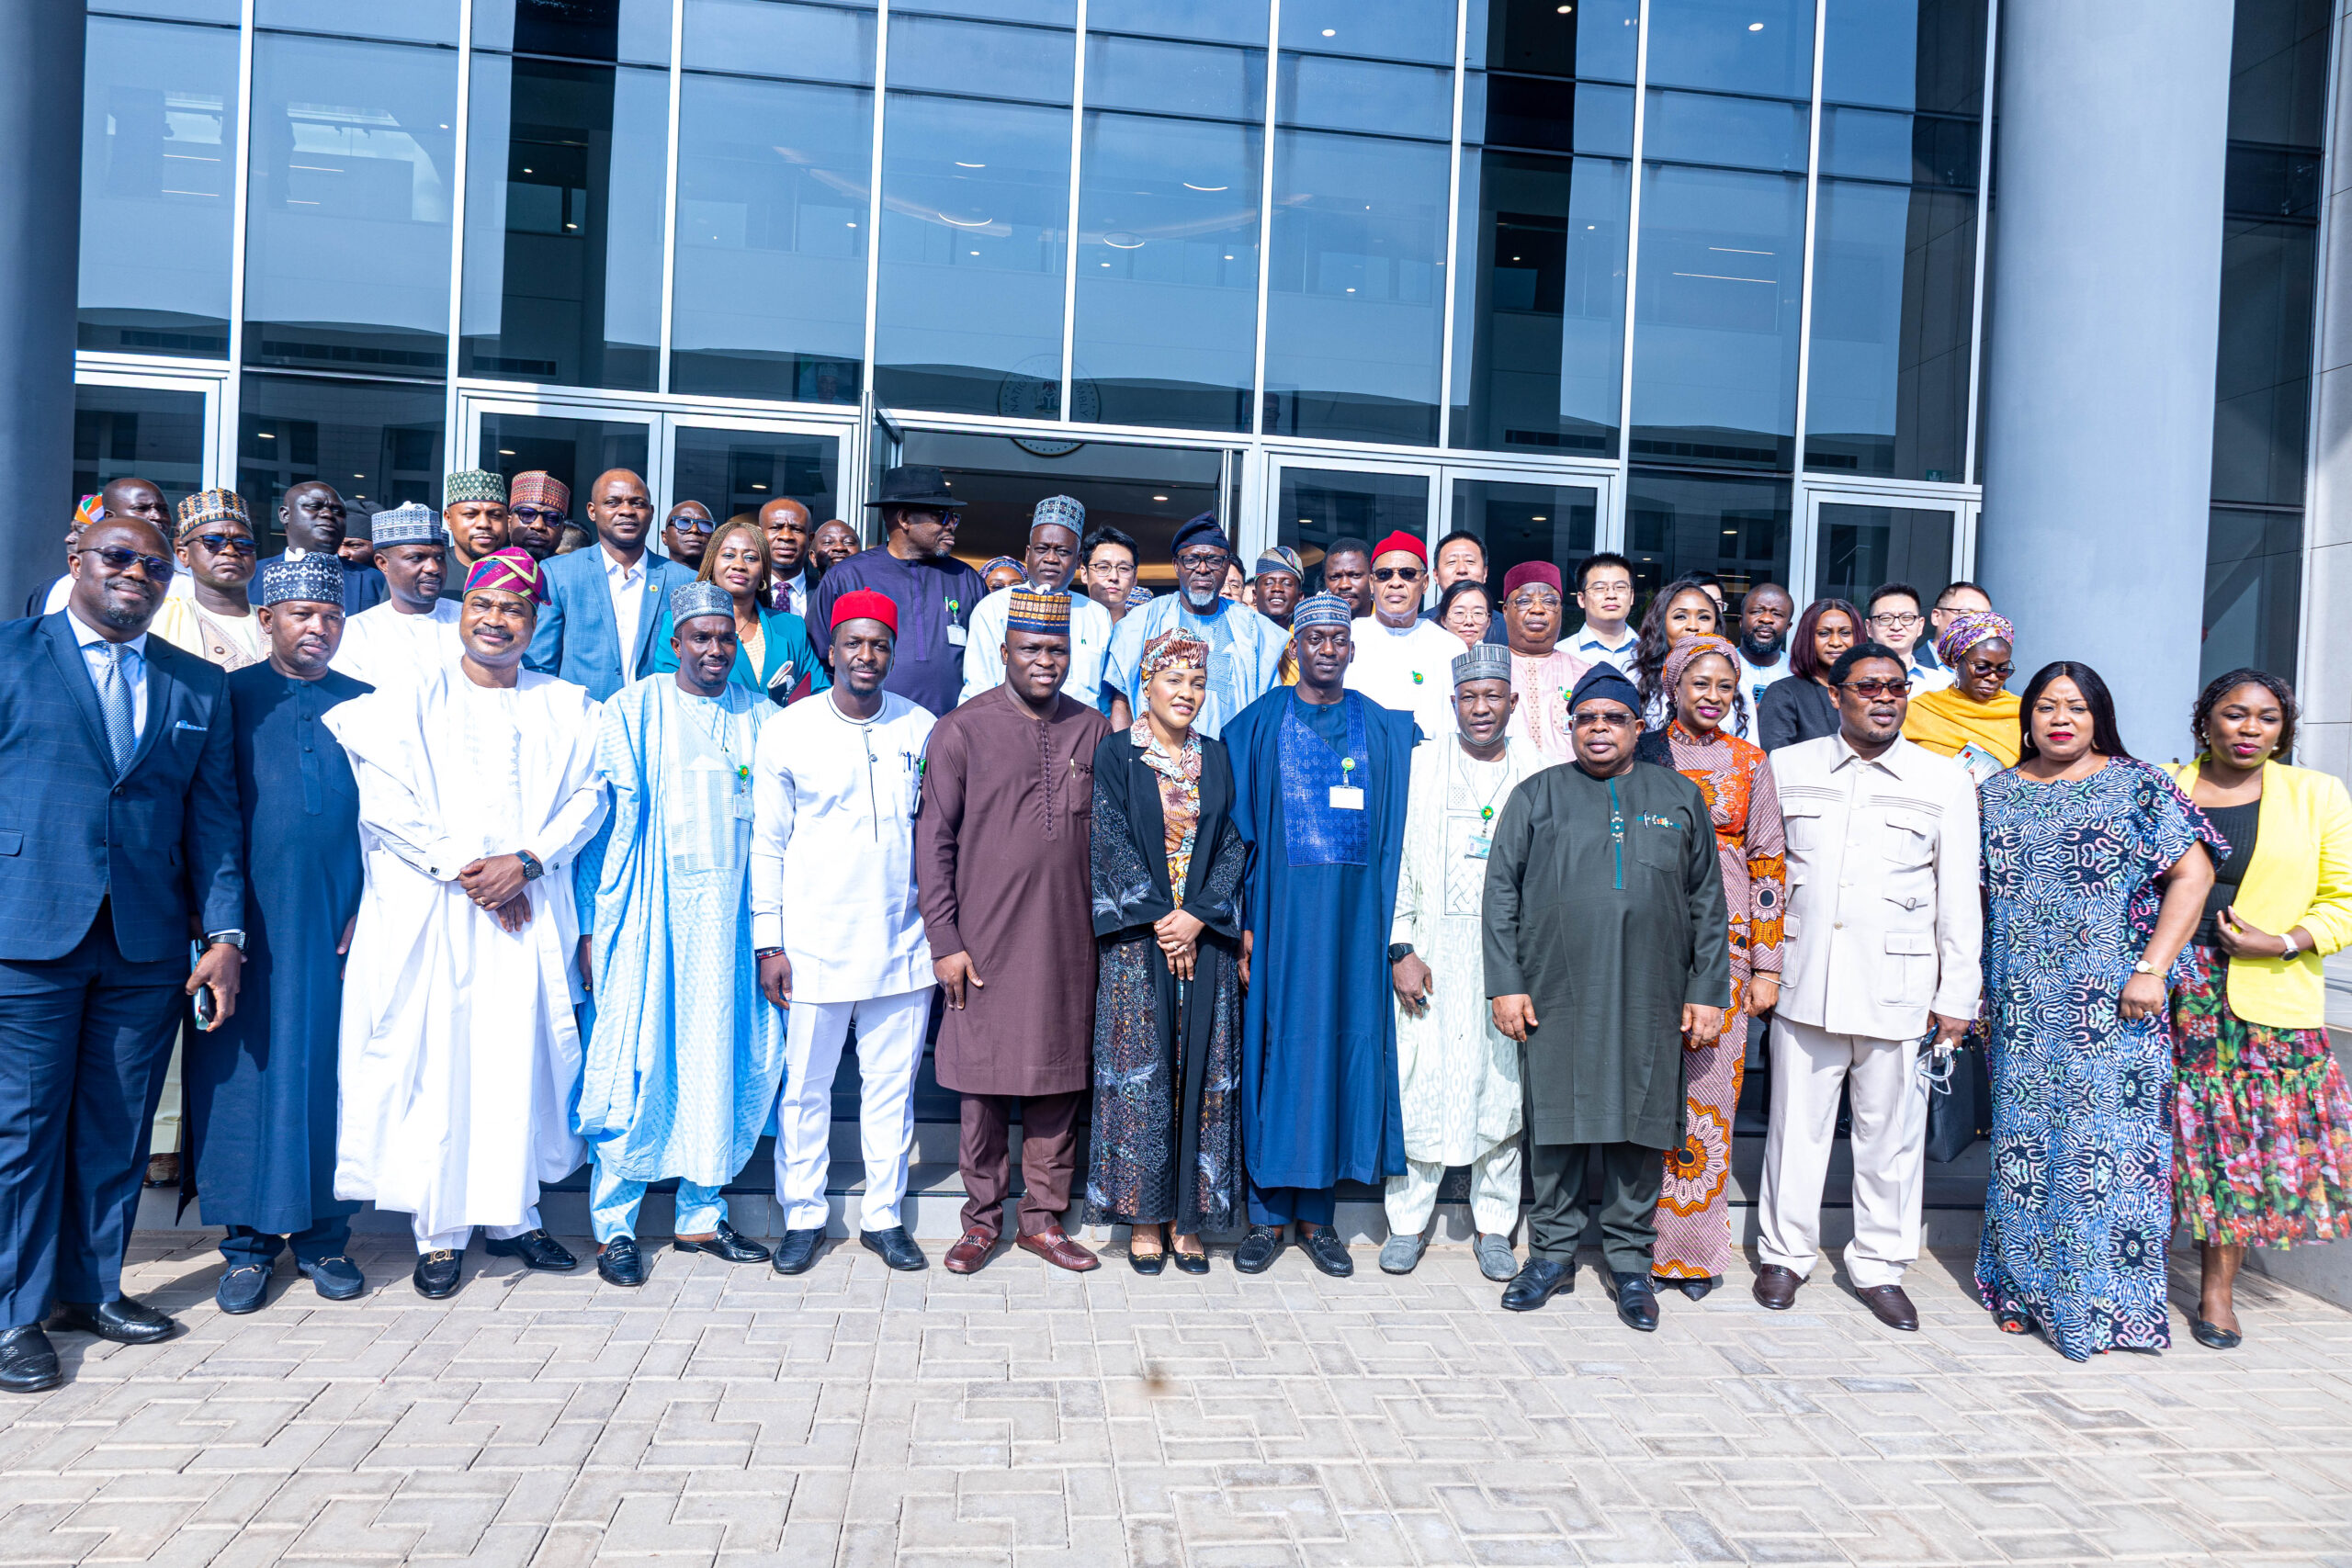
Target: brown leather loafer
(1891, 1308)
(966, 1255)
(1056, 1249)
(1777, 1287)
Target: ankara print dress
(2079, 1206)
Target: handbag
(1960, 1099)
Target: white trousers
(1494, 1192)
(889, 1048)
(457, 1240)
(1890, 1133)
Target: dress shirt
(1884, 918)
(626, 584)
(134, 667)
(792, 594)
(1589, 648)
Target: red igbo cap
(1409, 543)
(1529, 572)
(864, 605)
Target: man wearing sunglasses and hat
(935, 593)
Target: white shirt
(626, 585)
(1926, 677)
(1588, 647)
(134, 667)
(1754, 680)
(793, 595)
(832, 848)
(380, 645)
(1090, 646)
(1410, 670)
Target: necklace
(1502, 766)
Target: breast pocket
(1658, 845)
(1907, 840)
(1081, 791)
(1806, 826)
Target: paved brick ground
(1027, 1417)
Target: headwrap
(474, 484)
(1605, 680)
(1965, 632)
(1529, 572)
(689, 600)
(211, 506)
(1679, 658)
(864, 605)
(1002, 560)
(1322, 610)
(1400, 540)
(1174, 649)
(92, 509)
(316, 578)
(1062, 512)
(409, 524)
(1483, 661)
(510, 571)
(1281, 557)
(1034, 612)
(540, 488)
(1138, 594)
(1201, 530)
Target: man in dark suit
(604, 604)
(313, 517)
(119, 837)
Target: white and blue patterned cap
(1322, 610)
(1062, 512)
(693, 599)
(1484, 661)
(316, 578)
(408, 525)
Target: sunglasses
(2003, 671)
(120, 559)
(692, 524)
(242, 544)
(535, 515)
(1878, 688)
(1613, 720)
(1391, 573)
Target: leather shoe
(126, 1320)
(1327, 1252)
(1636, 1301)
(1891, 1308)
(1258, 1249)
(537, 1250)
(2212, 1336)
(242, 1289)
(28, 1361)
(1192, 1262)
(796, 1253)
(894, 1248)
(1777, 1287)
(1537, 1281)
(726, 1242)
(338, 1278)
(1697, 1287)
(1056, 1247)
(437, 1274)
(620, 1263)
(970, 1251)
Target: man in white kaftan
(414, 630)
(459, 1057)
(1458, 1074)
(1403, 661)
(684, 1055)
(839, 936)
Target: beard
(1202, 605)
(1760, 648)
(115, 611)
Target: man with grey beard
(1245, 647)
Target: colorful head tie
(510, 571)
(540, 488)
(989, 570)
(92, 509)
(474, 484)
(315, 577)
(1034, 612)
(1281, 557)
(1679, 659)
(1967, 630)
(1177, 649)
(1138, 594)
(864, 605)
(1322, 610)
(207, 507)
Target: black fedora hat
(915, 484)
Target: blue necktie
(114, 701)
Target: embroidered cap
(511, 570)
(409, 524)
(540, 488)
(1061, 511)
(1034, 612)
(212, 506)
(315, 577)
(1484, 661)
(1322, 610)
(690, 599)
(474, 484)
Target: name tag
(1478, 849)
(957, 635)
(1346, 798)
(742, 806)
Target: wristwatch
(532, 869)
(2293, 947)
(2144, 968)
(233, 936)
(1399, 950)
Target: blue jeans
(613, 1202)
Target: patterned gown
(2079, 1207)
(1693, 1210)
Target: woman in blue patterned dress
(2093, 885)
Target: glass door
(163, 429)
(1317, 501)
(1860, 541)
(1526, 516)
(572, 442)
(735, 466)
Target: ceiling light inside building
(1755, 27)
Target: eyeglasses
(120, 559)
(1897, 619)
(535, 514)
(1203, 560)
(1895, 688)
(1616, 718)
(689, 524)
(1391, 573)
(1530, 598)
(2003, 671)
(242, 544)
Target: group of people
(1231, 895)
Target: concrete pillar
(40, 202)
(2106, 278)
(2324, 678)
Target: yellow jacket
(2301, 875)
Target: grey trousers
(1630, 1178)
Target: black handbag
(1960, 1100)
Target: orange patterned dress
(1693, 1212)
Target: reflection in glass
(156, 434)
(1361, 95)
(1378, 29)
(1162, 76)
(2254, 568)
(413, 21)
(1709, 128)
(347, 232)
(1592, 41)
(1202, 21)
(1145, 490)
(739, 471)
(1763, 47)
(1734, 527)
(632, 32)
(574, 450)
(782, 37)
(159, 140)
(1520, 522)
(1318, 505)
(563, 245)
(377, 442)
(1859, 548)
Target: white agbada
(1410, 670)
(459, 1057)
(380, 646)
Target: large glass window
(1735, 527)
(154, 433)
(1148, 491)
(1520, 522)
(634, 32)
(575, 450)
(1857, 547)
(348, 228)
(1318, 505)
(377, 442)
(2253, 573)
(159, 146)
(736, 472)
(1895, 264)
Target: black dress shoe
(896, 1247)
(1147, 1262)
(338, 1278)
(2213, 1336)
(242, 1289)
(796, 1253)
(727, 1243)
(537, 1250)
(1636, 1301)
(27, 1362)
(1537, 1281)
(1258, 1249)
(1698, 1288)
(125, 1320)
(620, 1263)
(1327, 1252)
(436, 1274)
(1191, 1262)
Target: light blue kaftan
(685, 1056)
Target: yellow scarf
(1945, 720)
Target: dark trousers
(1630, 1178)
(1280, 1205)
(326, 1238)
(1048, 1158)
(83, 1040)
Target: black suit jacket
(162, 841)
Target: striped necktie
(114, 701)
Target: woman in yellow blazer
(2262, 1140)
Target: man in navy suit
(313, 517)
(597, 629)
(119, 835)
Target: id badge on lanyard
(1348, 797)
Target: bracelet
(765, 952)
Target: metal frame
(1805, 519)
(207, 379)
